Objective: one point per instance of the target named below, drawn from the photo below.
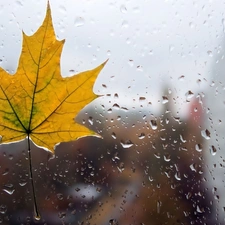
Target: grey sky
(148, 43)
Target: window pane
(160, 114)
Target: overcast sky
(150, 44)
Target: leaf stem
(36, 212)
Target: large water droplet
(153, 124)
(126, 144)
(8, 188)
(9, 191)
(206, 134)
(37, 217)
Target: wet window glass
(158, 153)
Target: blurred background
(161, 115)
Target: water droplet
(167, 158)
(123, 9)
(73, 212)
(200, 210)
(136, 9)
(140, 68)
(177, 176)
(121, 167)
(90, 120)
(92, 173)
(193, 167)
(164, 99)
(62, 9)
(151, 52)
(116, 106)
(8, 188)
(9, 191)
(5, 172)
(153, 124)
(60, 196)
(182, 139)
(61, 215)
(128, 41)
(113, 135)
(116, 95)
(223, 23)
(188, 195)
(113, 222)
(189, 95)
(109, 110)
(22, 183)
(198, 147)
(141, 136)
(191, 25)
(159, 204)
(125, 24)
(79, 21)
(142, 99)
(213, 150)
(19, 3)
(126, 144)
(210, 54)
(3, 209)
(77, 189)
(206, 134)
(181, 78)
(37, 217)
(98, 189)
(171, 48)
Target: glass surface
(160, 113)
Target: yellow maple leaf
(37, 103)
